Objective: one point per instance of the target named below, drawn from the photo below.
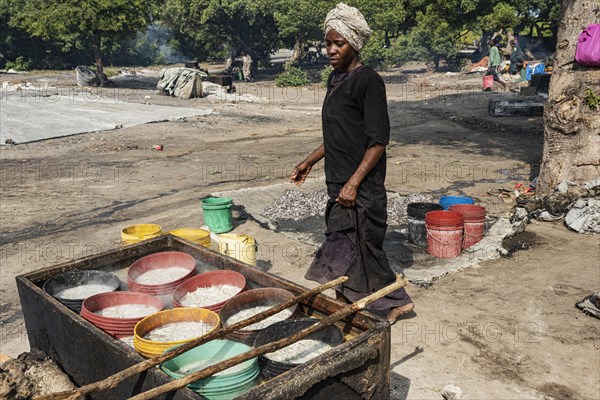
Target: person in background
(356, 130)
(247, 66)
(494, 63)
(516, 58)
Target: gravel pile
(397, 207)
(296, 205)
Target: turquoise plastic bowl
(219, 387)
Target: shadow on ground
(461, 122)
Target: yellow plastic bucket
(199, 236)
(240, 247)
(137, 233)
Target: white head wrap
(350, 23)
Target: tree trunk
(98, 58)
(571, 128)
(298, 50)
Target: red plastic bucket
(488, 81)
(444, 233)
(474, 222)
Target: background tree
(20, 51)
(78, 22)
(300, 21)
(571, 126)
(205, 28)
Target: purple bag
(588, 47)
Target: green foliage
(148, 48)
(300, 21)
(64, 33)
(80, 24)
(378, 56)
(384, 15)
(325, 72)
(292, 76)
(206, 28)
(503, 15)
(20, 64)
(592, 99)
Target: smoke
(148, 48)
(162, 36)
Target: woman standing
(356, 129)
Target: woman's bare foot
(397, 312)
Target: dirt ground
(507, 329)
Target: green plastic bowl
(216, 387)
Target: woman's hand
(302, 170)
(300, 173)
(347, 196)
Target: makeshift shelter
(185, 83)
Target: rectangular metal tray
(357, 369)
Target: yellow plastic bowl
(150, 348)
(137, 233)
(199, 236)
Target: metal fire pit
(356, 369)
(220, 79)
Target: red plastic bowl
(470, 212)
(206, 279)
(119, 327)
(444, 218)
(165, 259)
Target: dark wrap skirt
(354, 247)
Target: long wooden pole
(273, 346)
(113, 380)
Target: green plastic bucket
(225, 386)
(217, 214)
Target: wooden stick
(113, 380)
(270, 347)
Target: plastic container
(217, 214)
(151, 348)
(488, 82)
(331, 335)
(206, 279)
(447, 201)
(254, 298)
(137, 233)
(72, 279)
(417, 233)
(224, 386)
(198, 236)
(162, 260)
(444, 233)
(117, 327)
(474, 217)
(240, 247)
